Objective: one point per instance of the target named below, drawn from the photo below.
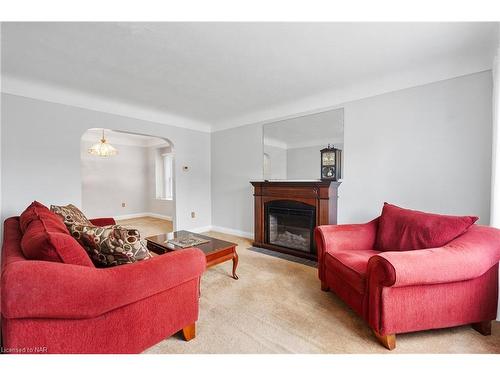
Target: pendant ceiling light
(103, 148)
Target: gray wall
(427, 148)
(236, 160)
(277, 163)
(107, 182)
(41, 157)
(128, 177)
(304, 162)
(164, 207)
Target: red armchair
(65, 308)
(406, 291)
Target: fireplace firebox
(290, 224)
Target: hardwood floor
(148, 226)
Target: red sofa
(405, 291)
(54, 307)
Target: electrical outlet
(193, 214)
(123, 204)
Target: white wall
(305, 162)
(236, 160)
(277, 162)
(128, 177)
(163, 207)
(107, 182)
(427, 148)
(41, 156)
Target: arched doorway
(137, 184)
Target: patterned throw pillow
(70, 215)
(110, 245)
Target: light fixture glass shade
(103, 148)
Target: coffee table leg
(235, 264)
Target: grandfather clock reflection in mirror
(331, 163)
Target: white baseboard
(207, 228)
(159, 216)
(234, 232)
(215, 228)
(130, 216)
(142, 214)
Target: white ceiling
(304, 131)
(219, 75)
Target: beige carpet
(277, 307)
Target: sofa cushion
(54, 247)
(350, 266)
(70, 215)
(110, 245)
(46, 238)
(36, 210)
(400, 229)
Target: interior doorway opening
(136, 185)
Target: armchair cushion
(350, 266)
(465, 258)
(401, 229)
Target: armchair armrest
(467, 257)
(103, 221)
(344, 237)
(37, 289)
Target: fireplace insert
(290, 224)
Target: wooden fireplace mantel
(322, 195)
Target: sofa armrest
(467, 257)
(103, 221)
(344, 237)
(37, 289)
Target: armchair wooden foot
(484, 328)
(189, 332)
(324, 287)
(388, 341)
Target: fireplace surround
(286, 213)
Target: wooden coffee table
(216, 251)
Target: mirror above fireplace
(292, 146)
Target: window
(164, 176)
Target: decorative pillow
(403, 229)
(110, 245)
(70, 214)
(46, 238)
